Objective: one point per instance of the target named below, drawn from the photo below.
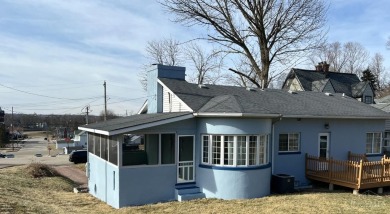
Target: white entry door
(186, 153)
(323, 145)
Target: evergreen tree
(369, 76)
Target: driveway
(26, 154)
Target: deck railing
(354, 174)
(356, 157)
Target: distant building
(2, 116)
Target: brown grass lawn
(19, 193)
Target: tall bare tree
(350, 57)
(166, 51)
(332, 53)
(356, 58)
(378, 69)
(207, 64)
(265, 32)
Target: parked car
(2, 155)
(78, 156)
(38, 155)
(9, 156)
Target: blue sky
(55, 55)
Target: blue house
(221, 141)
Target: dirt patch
(73, 173)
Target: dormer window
(368, 99)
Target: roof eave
(246, 115)
(336, 117)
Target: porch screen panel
(97, 145)
(91, 143)
(112, 150)
(167, 148)
(103, 147)
(152, 148)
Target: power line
(59, 98)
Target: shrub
(39, 170)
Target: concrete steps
(188, 192)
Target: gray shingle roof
(341, 82)
(231, 99)
(133, 121)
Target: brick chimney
(322, 67)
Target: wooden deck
(357, 172)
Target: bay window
(234, 150)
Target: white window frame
(288, 142)
(235, 154)
(373, 142)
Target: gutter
(336, 117)
(273, 142)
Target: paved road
(26, 154)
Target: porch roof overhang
(134, 123)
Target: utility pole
(105, 101)
(12, 127)
(87, 111)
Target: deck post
(383, 171)
(360, 175)
(330, 169)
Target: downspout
(273, 141)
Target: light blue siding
(144, 185)
(345, 135)
(100, 181)
(233, 183)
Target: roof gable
(341, 82)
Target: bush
(39, 170)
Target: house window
(232, 150)
(373, 143)
(228, 145)
(241, 150)
(205, 146)
(216, 150)
(289, 142)
(368, 99)
(170, 101)
(386, 139)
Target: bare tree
(207, 64)
(110, 115)
(378, 69)
(331, 53)
(265, 32)
(166, 51)
(350, 57)
(356, 58)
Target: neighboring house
(222, 141)
(80, 138)
(384, 105)
(323, 80)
